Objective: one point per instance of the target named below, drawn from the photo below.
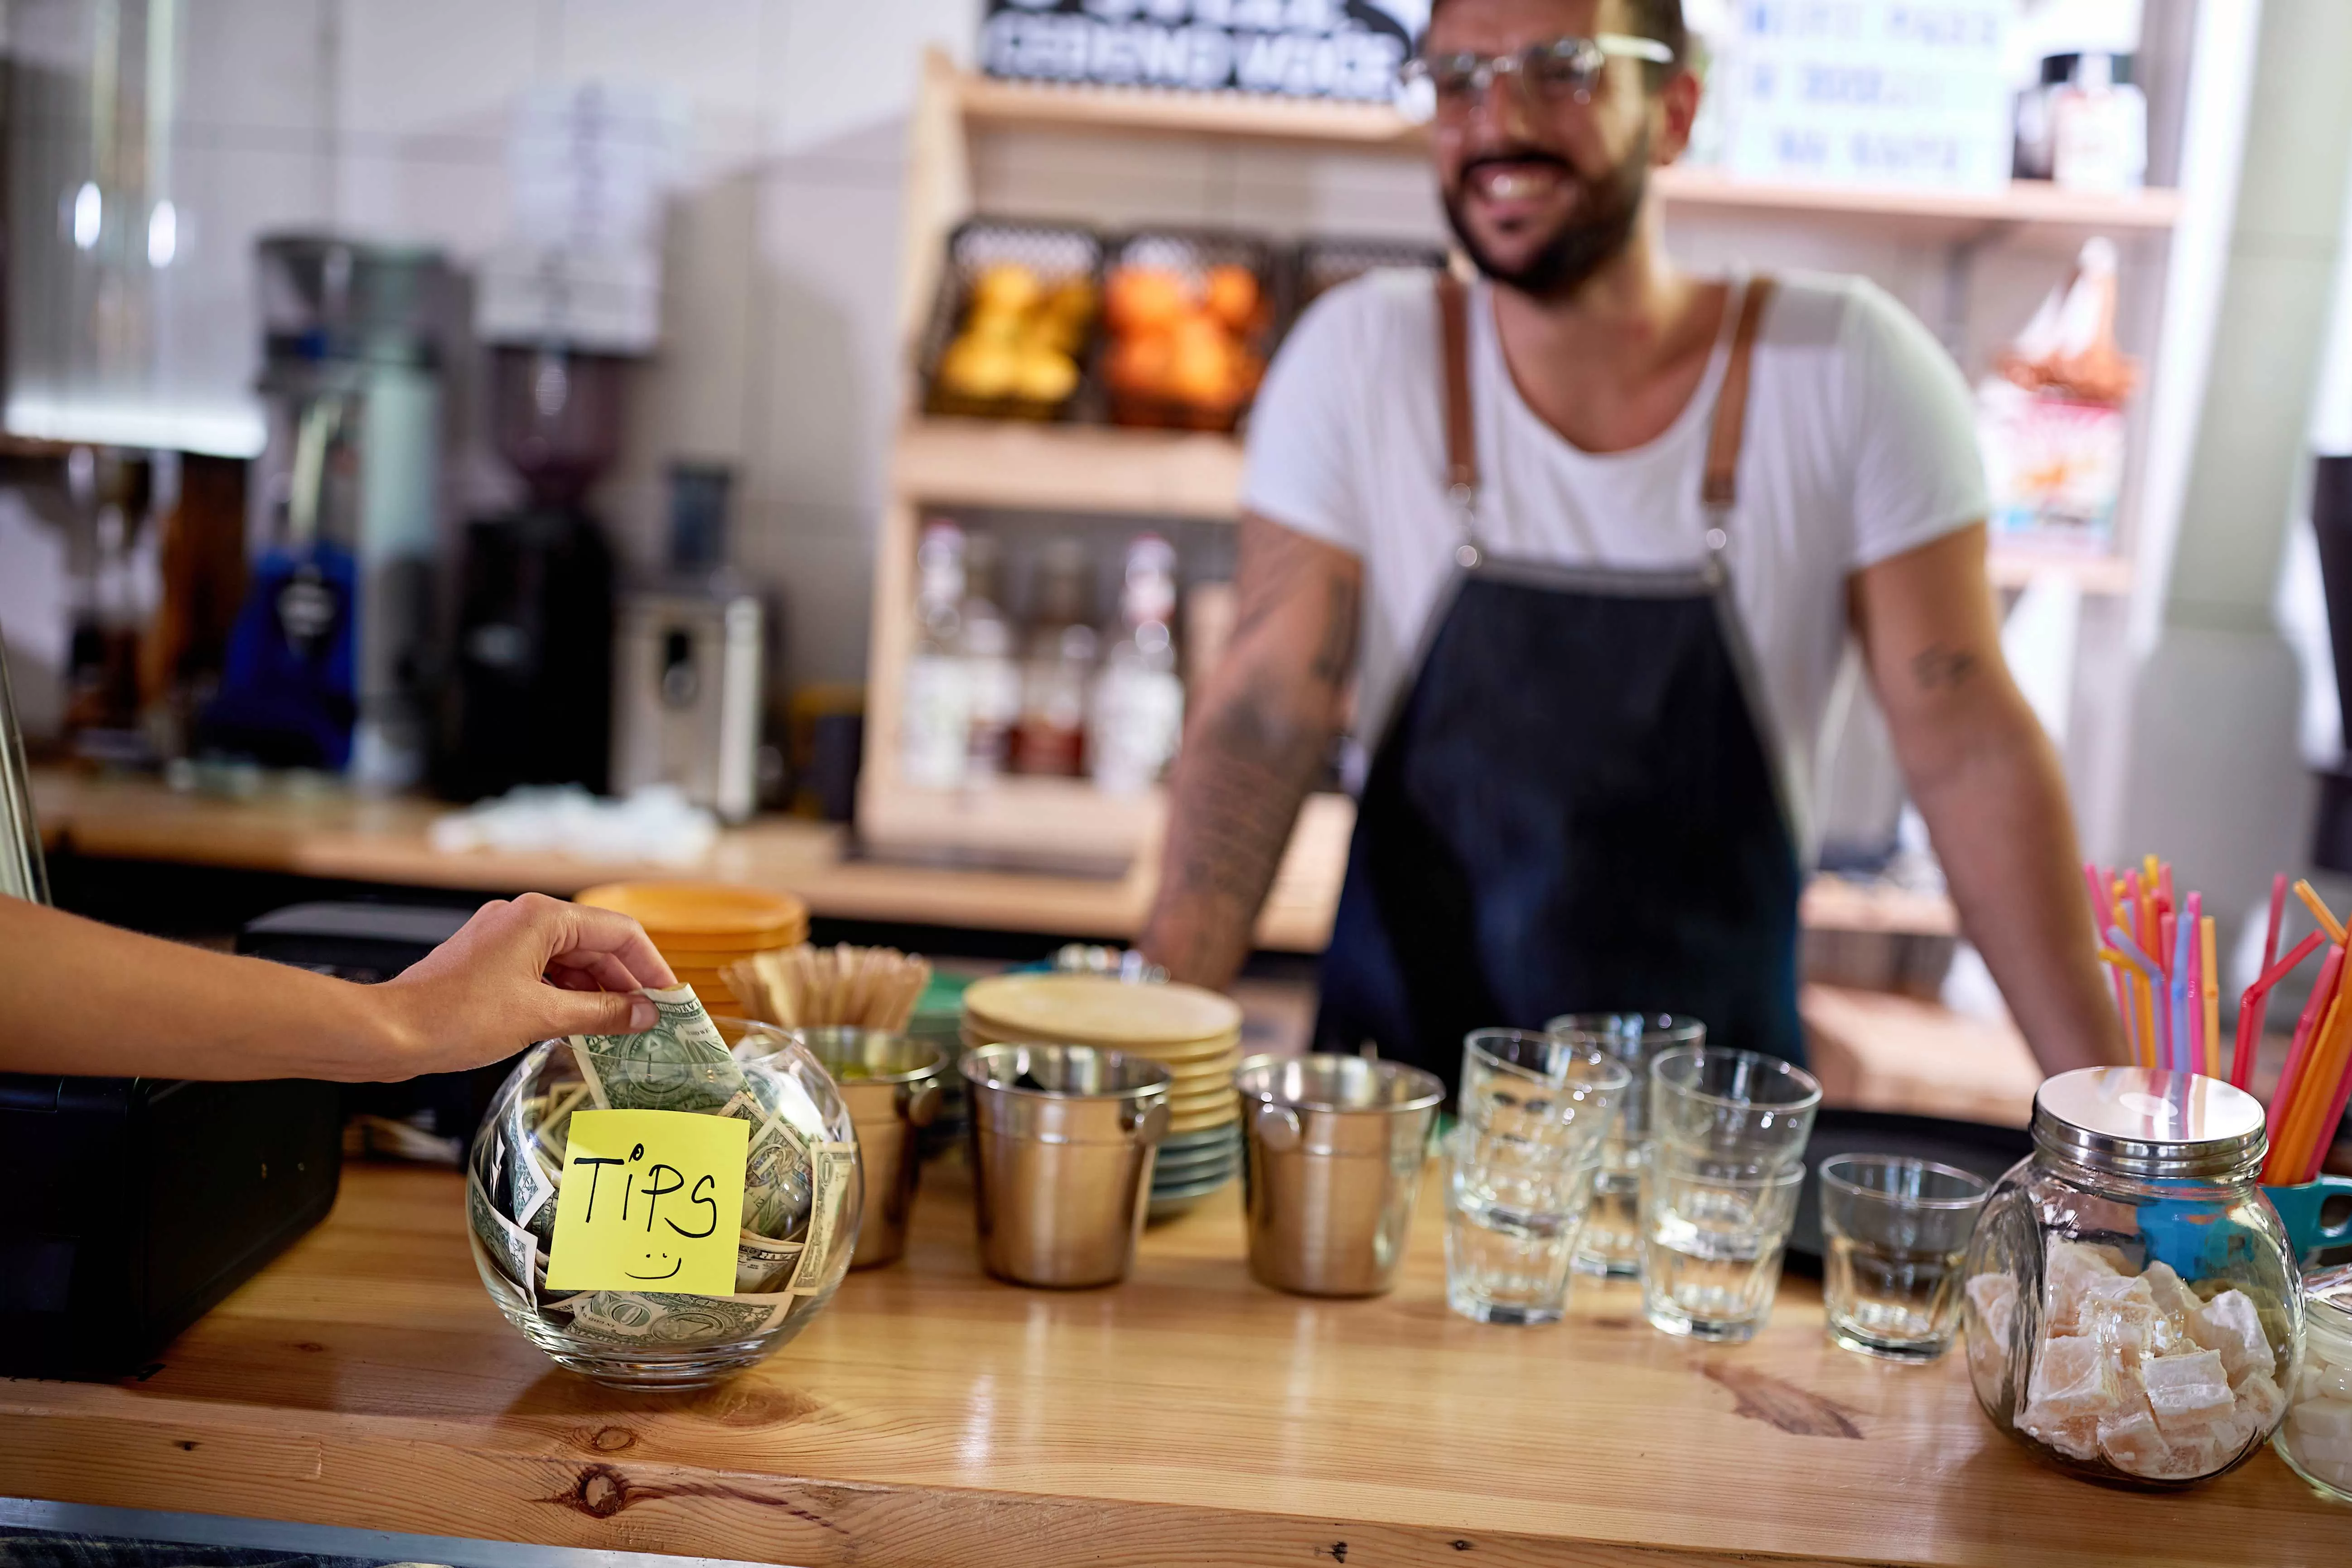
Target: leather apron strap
(1719, 484)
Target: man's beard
(1587, 240)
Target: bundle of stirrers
(809, 987)
(2167, 988)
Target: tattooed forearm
(1260, 732)
(1939, 667)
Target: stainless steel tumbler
(1062, 1144)
(1336, 1149)
(892, 1085)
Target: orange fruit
(1201, 362)
(1140, 297)
(1140, 361)
(1234, 296)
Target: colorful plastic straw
(2329, 1124)
(2322, 1001)
(2180, 939)
(2302, 1135)
(2321, 913)
(2159, 1024)
(2241, 1064)
(2253, 1008)
(2208, 1016)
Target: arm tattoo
(1939, 667)
(1250, 759)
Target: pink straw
(2304, 1028)
(2255, 1007)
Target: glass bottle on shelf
(1138, 700)
(1051, 737)
(935, 719)
(994, 671)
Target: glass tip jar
(2132, 1308)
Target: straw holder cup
(891, 1083)
(1062, 1144)
(1336, 1149)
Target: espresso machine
(329, 662)
(530, 700)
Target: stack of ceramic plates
(1195, 1034)
(702, 927)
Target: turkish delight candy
(2132, 1442)
(1993, 1298)
(2069, 1270)
(2073, 1388)
(2230, 1325)
(2328, 1418)
(2188, 1393)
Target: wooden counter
(336, 835)
(934, 1419)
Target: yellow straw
(2212, 1000)
(2321, 913)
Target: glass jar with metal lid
(2315, 1439)
(2133, 1312)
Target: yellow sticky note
(652, 1200)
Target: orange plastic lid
(701, 908)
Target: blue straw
(2182, 945)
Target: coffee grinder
(532, 700)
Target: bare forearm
(1245, 769)
(1259, 733)
(86, 999)
(2000, 817)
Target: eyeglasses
(1450, 87)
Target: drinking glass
(1733, 1108)
(1611, 1244)
(1511, 1235)
(1897, 1233)
(1533, 1108)
(1712, 1233)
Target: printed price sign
(652, 1200)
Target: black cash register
(134, 1204)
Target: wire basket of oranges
(1014, 321)
(1189, 317)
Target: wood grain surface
(935, 1419)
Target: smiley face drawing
(676, 1265)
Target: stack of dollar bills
(796, 1182)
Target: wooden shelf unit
(1160, 473)
(1083, 469)
(987, 104)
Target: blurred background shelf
(1093, 468)
(986, 104)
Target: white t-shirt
(1860, 444)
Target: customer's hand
(522, 970)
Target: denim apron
(1575, 806)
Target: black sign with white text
(1304, 48)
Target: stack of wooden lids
(1195, 1034)
(702, 927)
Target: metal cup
(1062, 1144)
(1336, 1149)
(892, 1085)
